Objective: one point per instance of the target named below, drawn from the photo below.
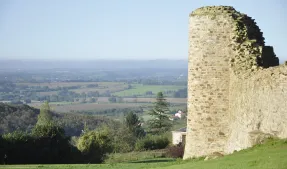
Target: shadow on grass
(153, 161)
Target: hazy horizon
(92, 64)
(92, 59)
(118, 30)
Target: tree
(148, 93)
(130, 86)
(45, 116)
(27, 101)
(92, 85)
(122, 140)
(93, 100)
(133, 124)
(95, 145)
(50, 130)
(181, 93)
(113, 99)
(160, 122)
(84, 95)
(119, 100)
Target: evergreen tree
(45, 116)
(133, 124)
(160, 122)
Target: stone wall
(235, 95)
(259, 108)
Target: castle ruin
(237, 91)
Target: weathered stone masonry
(237, 92)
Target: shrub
(175, 151)
(74, 141)
(152, 143)
(2, 153)
(122, 140)
(16, 136)
(94, 145)
(15, 147)
(48, 130)
(46, 145)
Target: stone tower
(228, 67)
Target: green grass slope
(271, 155)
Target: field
(105, 89)
(67, 107)
(119, 89)
(103, 103)
(271, 155)
(69, 84)
(139, 89)
(150, 100)
(101, 88)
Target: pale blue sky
(119, 29)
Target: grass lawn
(132, 165)
(139, 89)
(136, 156)
(271, 155)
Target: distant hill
(91, 64)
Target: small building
(178, 136)
(179, 114)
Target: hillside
(24, 117)
(271, 155)
(17, 117)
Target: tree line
(47, 142)
(24, 118)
